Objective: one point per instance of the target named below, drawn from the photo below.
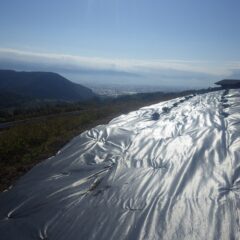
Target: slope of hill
(167, 171)
(41, 85)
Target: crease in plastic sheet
(166, 171)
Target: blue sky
(188, 43)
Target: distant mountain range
(23, 86)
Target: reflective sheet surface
(166, 171)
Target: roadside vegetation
(45, 130)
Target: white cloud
(96, 70)
(75, 63)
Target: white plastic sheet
(167, 171)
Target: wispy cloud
(163, 69)
(71, 62)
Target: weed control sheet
(167, 171)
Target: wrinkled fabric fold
(166, 171)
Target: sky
(169, 43)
